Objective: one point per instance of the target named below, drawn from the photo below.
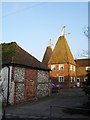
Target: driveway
(53, 106)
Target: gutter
(8, 85)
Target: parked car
(54, 88)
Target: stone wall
(19, 79)
(25, 84)
(19, 74)
(29, 84)
(19, 92)
(42, 83)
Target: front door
(78, 82)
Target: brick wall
(54, 74)
(81, 73)
(58, 72)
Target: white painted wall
(4, 77)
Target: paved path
(66, 98)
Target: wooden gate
(30, 84)
(30, 90)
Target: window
(78, 82)
(71, 79)
(61, 78)
(78, 79)
(53, 67)
(61, 67)
(71, 67)
(85, 79)
(88, 68)
(74, 68)
(74, 79)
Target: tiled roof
(83, 62)
(47, 55)
(14, 54)
(61, 53)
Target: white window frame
(87, 67)
(74, 68)
(85, 79)
(53, 67)
(71, 66)
(61, 79)
(74, 79)
(71, 78)
(61, 66)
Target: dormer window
(61, 67)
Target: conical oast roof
(61, 53)
(47, 55)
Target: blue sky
(31, 25)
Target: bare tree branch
(86, 32)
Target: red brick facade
(62, 64)
(68, 74)
(30, 84)
(81, 71)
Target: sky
(32, 24)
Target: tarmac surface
(65, 105)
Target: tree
(87, 32)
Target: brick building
(65, 71)
(62, 64)
(82, 65)
(24, 77)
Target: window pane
(71, 67)
(61, 67)
(61, 79)
(52, 67)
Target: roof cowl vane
(50, 43)
(63, 31)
